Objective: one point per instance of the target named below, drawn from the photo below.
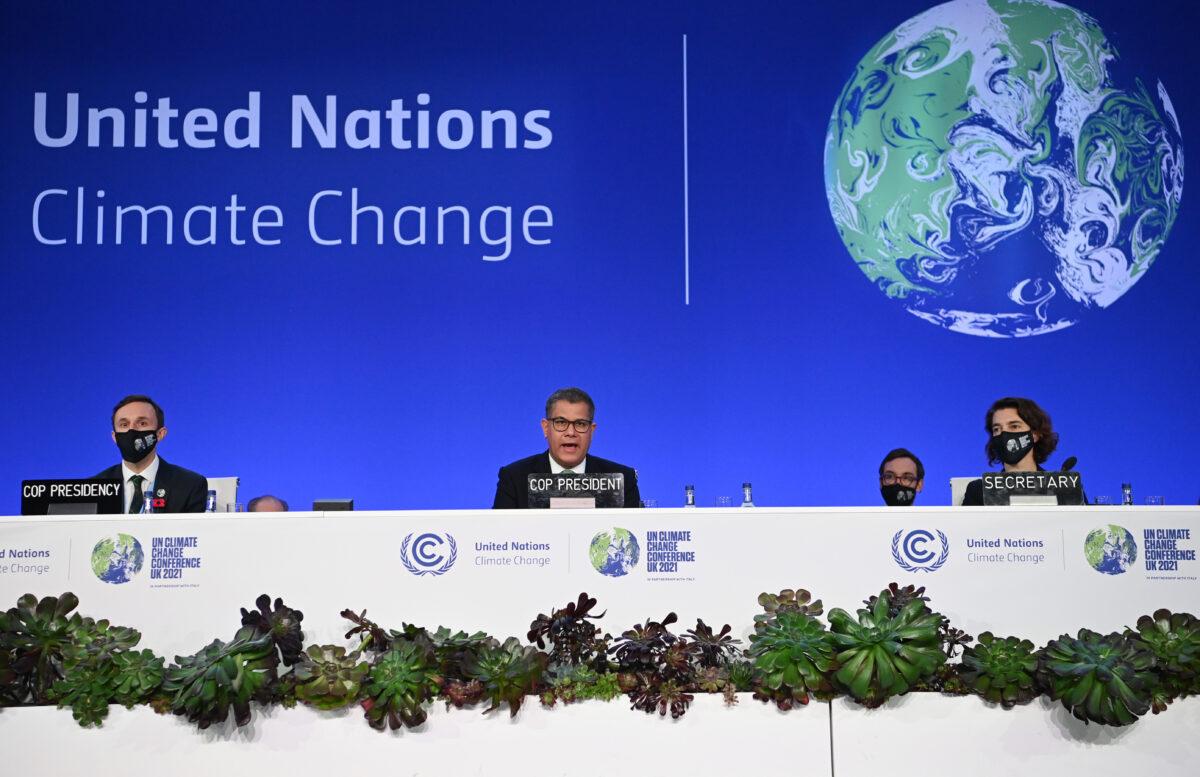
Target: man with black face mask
(1021, 437)
(138, 428)
(901, 478)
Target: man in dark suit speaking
(137, 428)
(568, 427)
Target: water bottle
(210, 504)
(1126, 494)
(747, 499)
(689, 496)
(148, 499)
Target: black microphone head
(1070, 463)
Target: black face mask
(136, 444)
(1011, 447)
(896, 495)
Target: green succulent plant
(794, 656)
(401, 682)
(452, 649)
(1174, 639)
(327, 678)
(881, 654)
(508, 671)
(1002, 671)
(98, 641)
(1099, 678)
(222, 676)
(742, 675)
(787, 600)
(35, 635)
(126, 678)
(139, 676)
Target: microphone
(1069, 464)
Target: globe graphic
(117, 559)
(1110, 549)
(614, 553)
(987, 171)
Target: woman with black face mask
(1020, 436)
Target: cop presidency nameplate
(73, 496)
(605, 489)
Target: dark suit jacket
(512, 480)
(187, 491)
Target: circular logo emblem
(117, 559)
(429, 553)
(992, 170)
(614, 553)
(920, 550)
(1110, 549)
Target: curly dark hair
(1032, 414)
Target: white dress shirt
(556, 468)
(149, 473)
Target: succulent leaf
(1100, 678)
(884, 653)
(327, 678)
(1002, 671)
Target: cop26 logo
(913, 553)
(431, 554)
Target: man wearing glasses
(901, 478)
(568, 427)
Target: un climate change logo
(117, 559)
(431, 554)
(1110, 549)
(614, 553)
(912, 552)
(997, 169)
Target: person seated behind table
(568, 427)
(901, 478)
(137, 429)
(1021, 437)
(267, 504)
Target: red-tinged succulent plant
(329, 678)
(569, 632)
(788, 600)
(713, 649)
(281, 623)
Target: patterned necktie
(568, 472)
(136, 505)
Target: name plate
(1032, 488)
(603, 489)
(70, 496)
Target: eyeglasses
(889, 478)
(582, 425)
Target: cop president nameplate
(1031, 488)
(68, 497)
(603, 489)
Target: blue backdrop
(405, 375)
